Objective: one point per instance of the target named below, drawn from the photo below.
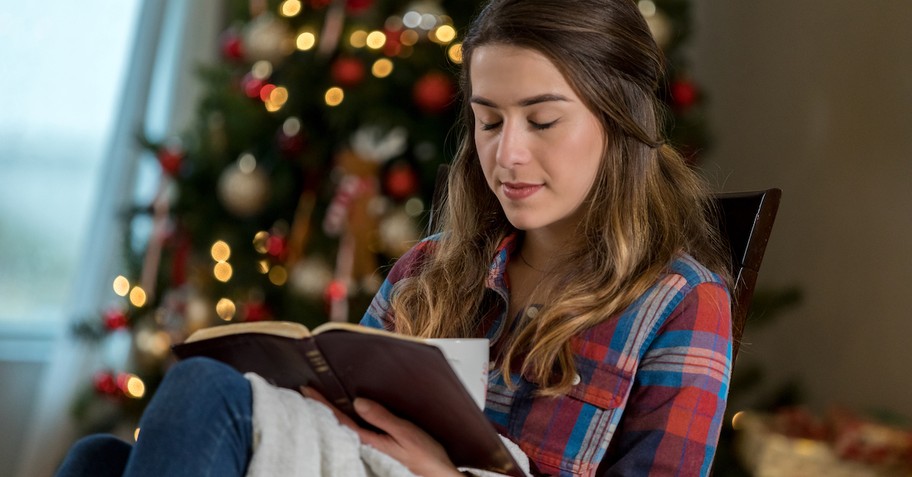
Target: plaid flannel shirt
(652, 381)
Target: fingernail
(361, 405)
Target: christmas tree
(308, 170)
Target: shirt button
(532, 312)
(576, 379)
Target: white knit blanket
(298, 437)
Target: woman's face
(538, 144)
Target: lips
(519, 190)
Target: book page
(287, 329)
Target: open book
(343, 361)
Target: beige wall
(815, 97)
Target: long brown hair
(645, 208)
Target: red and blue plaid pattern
(653, 380)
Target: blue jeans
(197, 424)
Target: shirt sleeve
(378, 314)
(674, 414)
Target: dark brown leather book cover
(343, 361)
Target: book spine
(329, 384)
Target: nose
(512, 148)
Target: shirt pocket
(580, 424)
(600, 384)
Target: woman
(574, 239)
(571, 238)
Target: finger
(343, 419)
(380, 417)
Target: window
(64, 67)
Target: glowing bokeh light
(305, 40)
(334, 96)
(376, 40)
(222, 271)
(225, 309)
(382, 68)
(455, 53)
(121, 285)
(358, 39)
(220, 251)
(445, 33)
(134, 387)
(278, 275)
(260, 241)
(290, 8)
(409, 37)
(261, 70)
(138, 297)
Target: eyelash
(536, 126)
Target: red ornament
(393, 44)
(276, 245)
(171, 158)
(401, 181)
(683, 94)
(355, 7)
(256, 311)
(115, 319)
(433, 93)
(348, 71)
(336, 291)
(291, 146)
(104, 383)
(231, 45)
(252, 85)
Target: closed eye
(490, 126)
(542, 126)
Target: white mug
(469, 359)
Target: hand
(403, 441)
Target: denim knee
(96, 455)
(200, 372)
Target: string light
(445, 33)
(428, 21)
(261, 70)
(222, 271)
(277, 98)
(290, 8)
(291, 126)
(334, 96)
(376, 40)
(278, 275)
(246, 163)
(260, 240)
(411, 19)
(414, 207)
(305, 40)
(647, 8)
(358, 39)
(738, 417)
(138, 297)
(225, 309)
(408, 37)
(263, 266)
(134, 387)
(455, 53)
(382, 68)
(136, 435)
(121, 285)
(265, 91)
(220, 251)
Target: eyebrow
(541, 98)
